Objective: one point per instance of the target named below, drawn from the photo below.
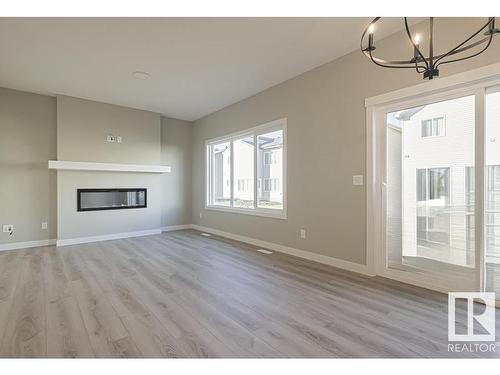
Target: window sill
(264, 213)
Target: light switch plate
(357, 179)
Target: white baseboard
(106, 237)
(334, 262)
(176, 227)
(27, 244)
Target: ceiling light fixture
(428, 65)
(141, 75)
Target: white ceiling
(197, 65)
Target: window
(421, 185)
(433, 127)
(469, 187)
(271, 157)
(243, 158)
(267, 185)
(246, 171)
(439, 183)
(276, 184)
(268, 157)
(272, 184)
(433, 194)
(432, 184)
(271, 197)
(220, 180)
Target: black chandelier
(429, 66)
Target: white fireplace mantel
(107, 167)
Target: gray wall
(326, 146)
(28, 194)
(82, 127)
(27, 142)
(176, 151)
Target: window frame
(275, 125)
(431, 119)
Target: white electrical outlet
(302, 233)
(118, 139)
(44, 225)
(357, 179)
(201, 215)
(8, 228)
(111, 138)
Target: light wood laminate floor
(180, 294)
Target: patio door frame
(474, 82)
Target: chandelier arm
(411, 62)
(470, 56)
(468, 47)
(419, 68)
(452, 51)
(413, 43)
(383, 65)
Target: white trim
(106, 237)
(275, 125)
(257, 130)
(334, 262)
(479, 192)
(490, 73)
(107, 167)
(279, 214)
(171, 228)
(27, 244)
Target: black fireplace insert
(111, 199)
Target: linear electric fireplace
(111, 199)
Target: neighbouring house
(430, 181)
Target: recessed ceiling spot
(141, 75)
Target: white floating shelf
(107, 167)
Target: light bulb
(371, 29)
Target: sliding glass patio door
(430, 204)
